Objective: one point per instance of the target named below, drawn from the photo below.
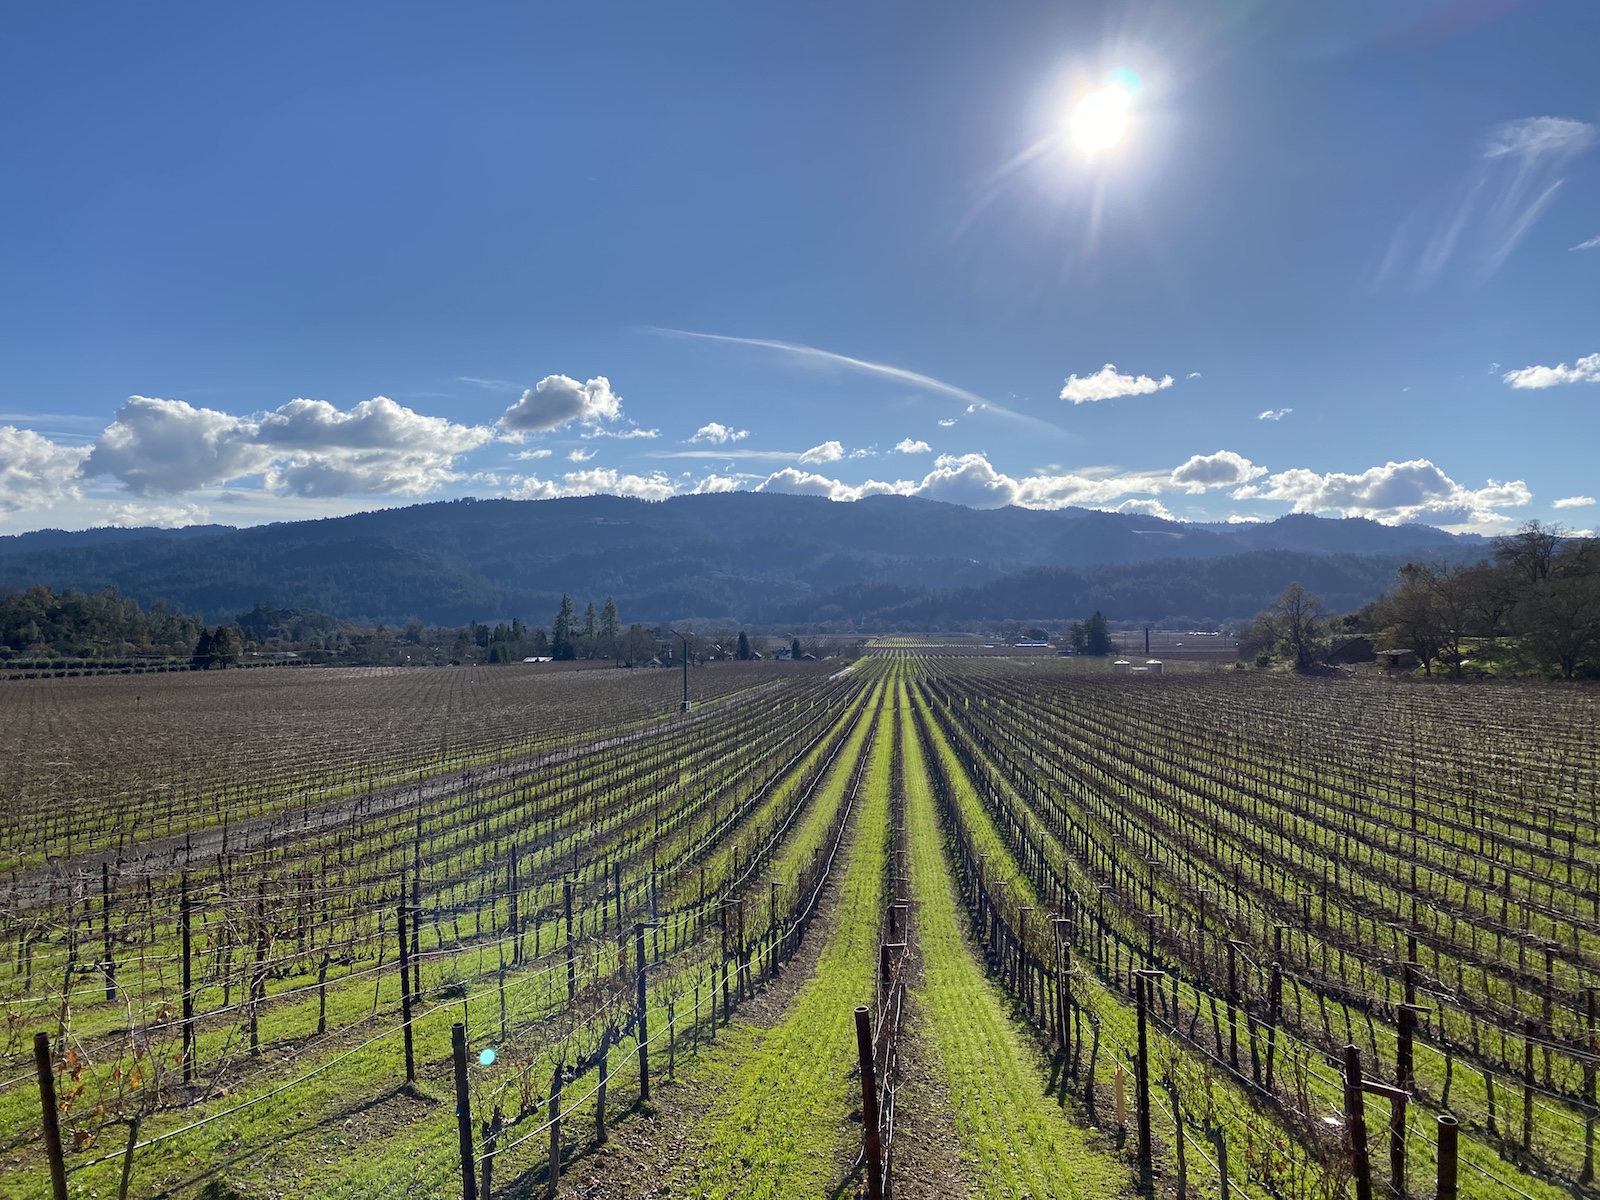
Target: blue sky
(272, 263)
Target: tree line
(1531, 607)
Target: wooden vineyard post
(1063, 966)
(1588, 1094)
(405, 996)
(1275, 1013)
(1355, 1123)
(553, 1176)
(1447, 1158)
(127, 1158)
(491, 1141)
(1177, 1139)
(600, 1090)
(1147, 978)
(772, 935)
(110, 966)
(644, 1032)
(572, 964)
(184, 916)
(1233, 1004)
(1527, 1085)
(458, 1055)
(872, 1151)
(52, 1122)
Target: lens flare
(486, 1056)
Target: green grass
(1015, 1141)
(786, 1093)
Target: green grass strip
(1015, 1141)
(786, 1093)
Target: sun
(1100, 118)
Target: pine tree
(610, 628)
(561, 639)
(744, 646)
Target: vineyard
(927, 924)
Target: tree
(743, 653)
(539, 647)
(561, 635)
(1092, 637)
(610, 628)
(639, 645)
(1559, 615)
(794, 650)
(1440, 611)
(1530, 551)
(1299, 625)
(1413, 618)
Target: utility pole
(685, 639)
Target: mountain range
(749, 558)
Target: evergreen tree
(540, 646)
(795, 651)
(591, 630)
(561, 636)
(610, 628)
(744, 646)
(1096, 636)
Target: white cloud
(1511, 185)
(793, 482)
(163, 516)
(907, 446)
(1148, 508)
(1585, 370)
(493, 385)
(1245, 519)
(864, 452)
(719, 483)
(825, 453)
(1397, 493)
(306, 448)
(163, 447)
(1222, 469)
(525, 455)
(1192, 375)
(1574, 502)
(1107, 384)
(579, 456)
(631, 432)
(596, 481)
(35, 472)
(946, 422)
(1591, 244)
(1275, 414)
(557, 400)
(968, 479)
(717, 434)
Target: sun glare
(1098, 121)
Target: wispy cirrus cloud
(827, 358)
(1592, 244)
(1514, 178)
(1274, 414)
(1108, 383)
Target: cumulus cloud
(907, 446)
(35, 472)
(1585, 370)
(558, 400)
(1396, 493)
(719, 483)
(1147, 508)
(825, 453)
(596, 481)
(1574, 502)
(1517, 173)
(163, 447)
(579, 456)
(163, 516)
(1275, 414)
(305, 448)
(1222, 469)
(717, 434)
(1108, 384)
(793, 482)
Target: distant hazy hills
(753, 558)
